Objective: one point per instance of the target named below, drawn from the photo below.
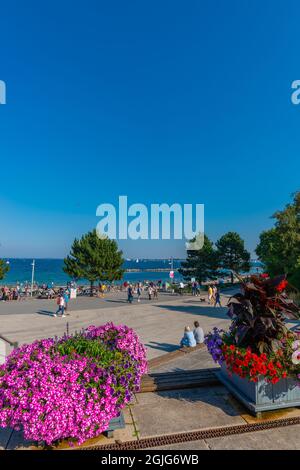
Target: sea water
(48, 271)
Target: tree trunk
(92, 285)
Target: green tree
(231, 253)
(4, 268)
(200, 264)
(94, 258)
(279, 247)
(268, 251)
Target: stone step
(165, 358)
(179, 380)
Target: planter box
(262, 396)
(115, 423)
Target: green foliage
(83, 346)
(231, 253)
(201, 264)
(94, 258)
(268, 250)
(279, 247)
(4, 268)
(294, 280)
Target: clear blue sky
(163, 101)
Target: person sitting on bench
(188, 339)
(198, 333)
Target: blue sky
(162, 101)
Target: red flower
(274, 380)
(282, 285)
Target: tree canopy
(231, 253)
(4, 268)
(94, 258)
(279, 247)
(200, 264)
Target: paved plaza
(160, 325)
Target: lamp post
(32, 276)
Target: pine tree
(4, 268)
(94, 258)
(200, 264)
(231, 253)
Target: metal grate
(158, 441)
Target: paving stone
(287, 438)
(159, 324)
(184, 410)
(200, 359)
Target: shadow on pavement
(46, 312)
(215, 312)
(218, 399)
(162, 346)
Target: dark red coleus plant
(258, 313)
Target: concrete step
(179, 380)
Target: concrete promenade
(159, 323)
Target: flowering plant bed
(72, 387)
(258, 351)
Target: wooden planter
(262, 396)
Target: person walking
(139, 293)
(181, 287)
(130, 294)
(150, 292)
(66, 296)
(218, 299)
(194, 288)
(61, 306)
(210, 294)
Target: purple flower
(213, 342)
(53, 396)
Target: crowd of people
(137, 289)
(17, 292)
